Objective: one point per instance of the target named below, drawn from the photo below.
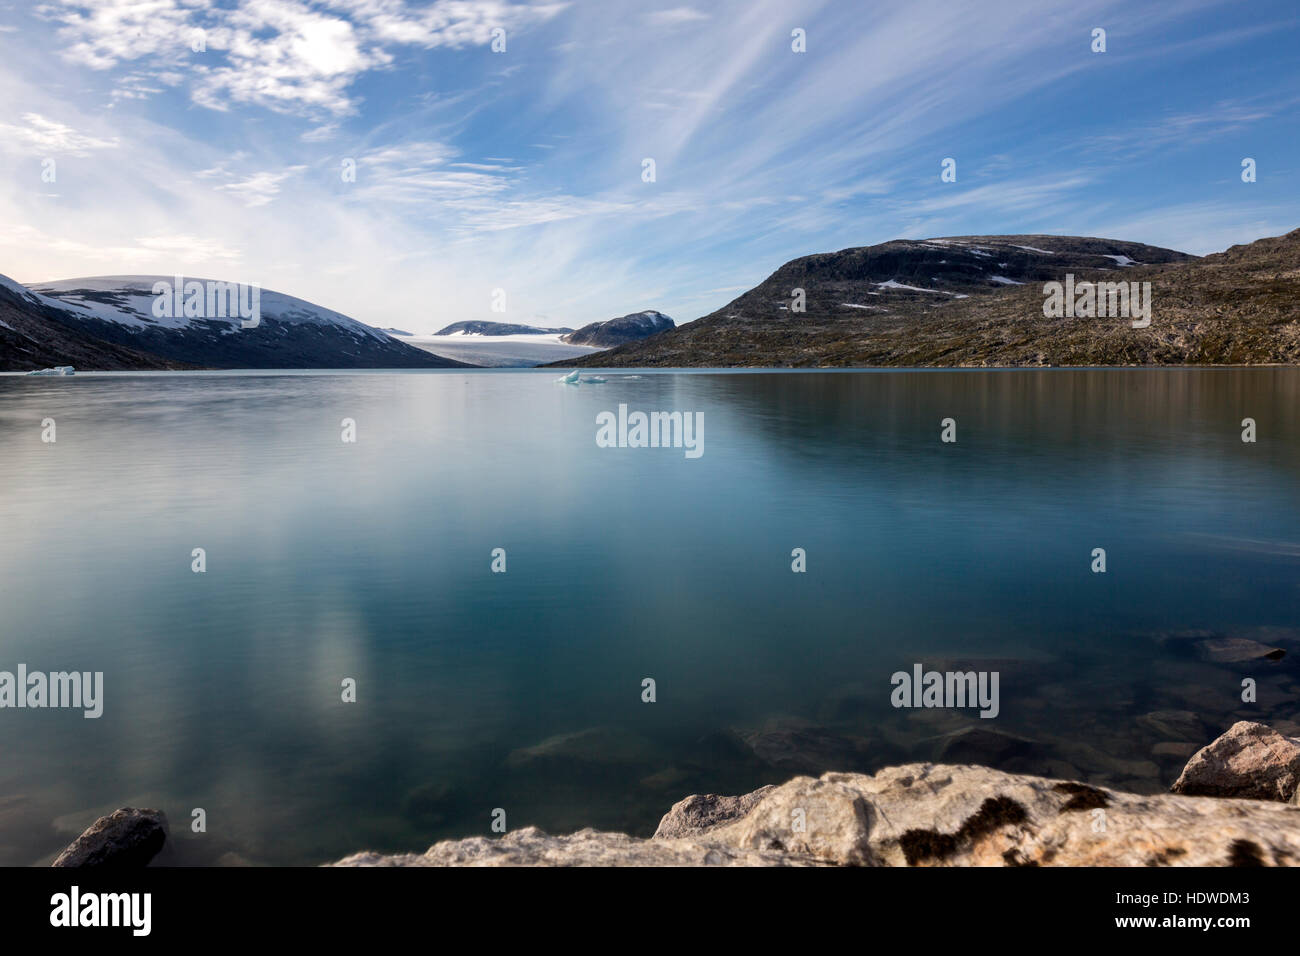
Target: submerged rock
(592, 747)
(1097, 761)
(1174, 750)
(799, 746)
(982, 745)
(1236, 650)
(1173, 725)
(1250, 760)
(125, 838)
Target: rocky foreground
(1233, 805)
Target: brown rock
(126, 838)
(1251, 761)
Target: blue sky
(522, 170)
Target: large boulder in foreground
(702, 812)
(125, 838)
(1250, 761)
(531, 847)
(914, 815)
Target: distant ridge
(626, 328)
(476, 327)
(978, 301)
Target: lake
(372, 561)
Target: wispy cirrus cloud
(676, 16)
(44, 136)
(523, 169)
(259, 188)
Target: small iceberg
(575, 378)
(57, 370)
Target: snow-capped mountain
(208, 324)
(626, 328)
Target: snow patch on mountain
(895, 284)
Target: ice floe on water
(575, 378)
(57, 370)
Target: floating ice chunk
(57, 370)
(575, 378)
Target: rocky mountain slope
(626, 328)
(978, 301)
(108, 322)
(496, 328)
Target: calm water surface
(522, 690)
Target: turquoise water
(476, 690)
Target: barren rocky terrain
(978, 301)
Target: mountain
(496, 328)
(626, 328)
(109, 322)
(32, 336)
(979, 301)
(401, 332)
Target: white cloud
(676, 16)
(290, 56)
(259, 188)
(50, 137)
(763, 155)
(320, 134)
